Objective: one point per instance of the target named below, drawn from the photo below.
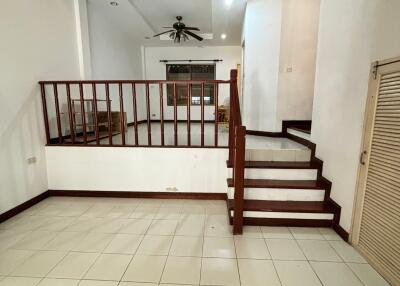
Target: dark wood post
(233, 85)
(70, 116)
(45, 114)
(135, 113)
(148, 114)
(83, 113)
(109, 115)
(239, 159)
(162, 114)
(202, 114)
(95, 115)
(121, 113)
(58, 115)
(175, 118)
(216, 114)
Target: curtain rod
(166, 61)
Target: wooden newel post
(239, 159)
(233, 86)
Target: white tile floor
(138, 242)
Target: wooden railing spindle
(148, 114)
(45, 113)
(202, 114)
(189, 104)
(162, 114)
(121, 113)
(83, 115)
(95, 114)
(216, 114)
(175, 118)
(58, 116)
(70, 116)
(135, 113)
(109, 115)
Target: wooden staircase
(285, 193)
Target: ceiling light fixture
(113, 3)
(223, 36)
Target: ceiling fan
(180, 31)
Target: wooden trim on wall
(26, 205)
(143, 195)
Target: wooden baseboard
(144, 195)
(286, 222)
(26, 205)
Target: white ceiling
(144, 18)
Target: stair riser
(299, 134)
(272, 194)
(281, 174)
(284, 155)
(286, 215)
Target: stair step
(283, 184)
(280, 165)
(300, 133)
(274, 194)
(284, 206)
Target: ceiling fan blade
(192, 28)
(163, 33)
(194, 35)
(168, 27)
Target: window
(190, 72)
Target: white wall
(231, 56)
(352, 35)
(38, 43)
(262, 29)
(134, 169)
(299, 37)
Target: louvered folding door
(379, 228)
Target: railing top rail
(134, 81)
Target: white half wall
(137, 169)
(352, 35)
(38, 42)
(231, 56)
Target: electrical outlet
(31, 160)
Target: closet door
(378, 230)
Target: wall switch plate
(31, 160)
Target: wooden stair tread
(306, 130)
(284, 206)
(283, 184)
(279, 165)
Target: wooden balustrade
(99, 132)
(101, 117)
